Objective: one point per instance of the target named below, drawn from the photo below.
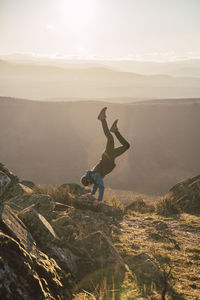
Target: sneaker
(102, 114)
(114, 126)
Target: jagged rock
(21, 277)
(186, 195)
(144, 268)
(25, 271)
(15, 190)
(28, 183)
(40, 228)
(61, 207)
(88, 203)
(4, 183)
(88, 221)
(66, 258)
(13, 226)
(75, 188)
(65, 228)
(101, 249)
(6, 171)
(10, 186)
(78, 223)
(44, 204)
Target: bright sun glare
(77, 14)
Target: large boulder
(40, 228)
(186, 195)
(4, 183)
(87, 202)
(44, 204)
(74, 188)
(101, 249)
(28, 183)
(6, 171)
(13, 226)
(26, 272)
(66, 258)
(16, 190)
(7, 181)
(105, 260)
(66, 229)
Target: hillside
(178, 67)
(52, 143)
(56, 244)
(40, 81)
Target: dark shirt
(105, 166)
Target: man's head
(85, 181)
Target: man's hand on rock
(86, 195)
(96, 202)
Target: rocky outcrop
(48, 247)
(28, 183)
(186, 195)
(53, 246)
(10, 186)
(44, 204)
(7, 179)
(25, 270)
(4, 183)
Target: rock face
(10, 186)
(48, 247)
(25, 270)
(42, 203)
(4, 182)
(186, 195)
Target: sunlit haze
(138, 29)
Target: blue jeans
(98, 184)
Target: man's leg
(110, 139)
(125, 145)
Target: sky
(114, 29)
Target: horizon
(146, 58)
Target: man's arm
(94, 189)
(99, 184)
(101, 192)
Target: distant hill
(183, 67)
(50, 142)
(37, 81)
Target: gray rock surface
(186, 195)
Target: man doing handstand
(107, 162)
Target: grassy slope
(171, 243)
(161, 255)
(145, 241)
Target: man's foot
(114, 126)
(102, 114)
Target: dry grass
(58, 194)
(162, 245)
(126, 197)
(172, 245)
(167, 207)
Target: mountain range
(89, 80)
(56, 142)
